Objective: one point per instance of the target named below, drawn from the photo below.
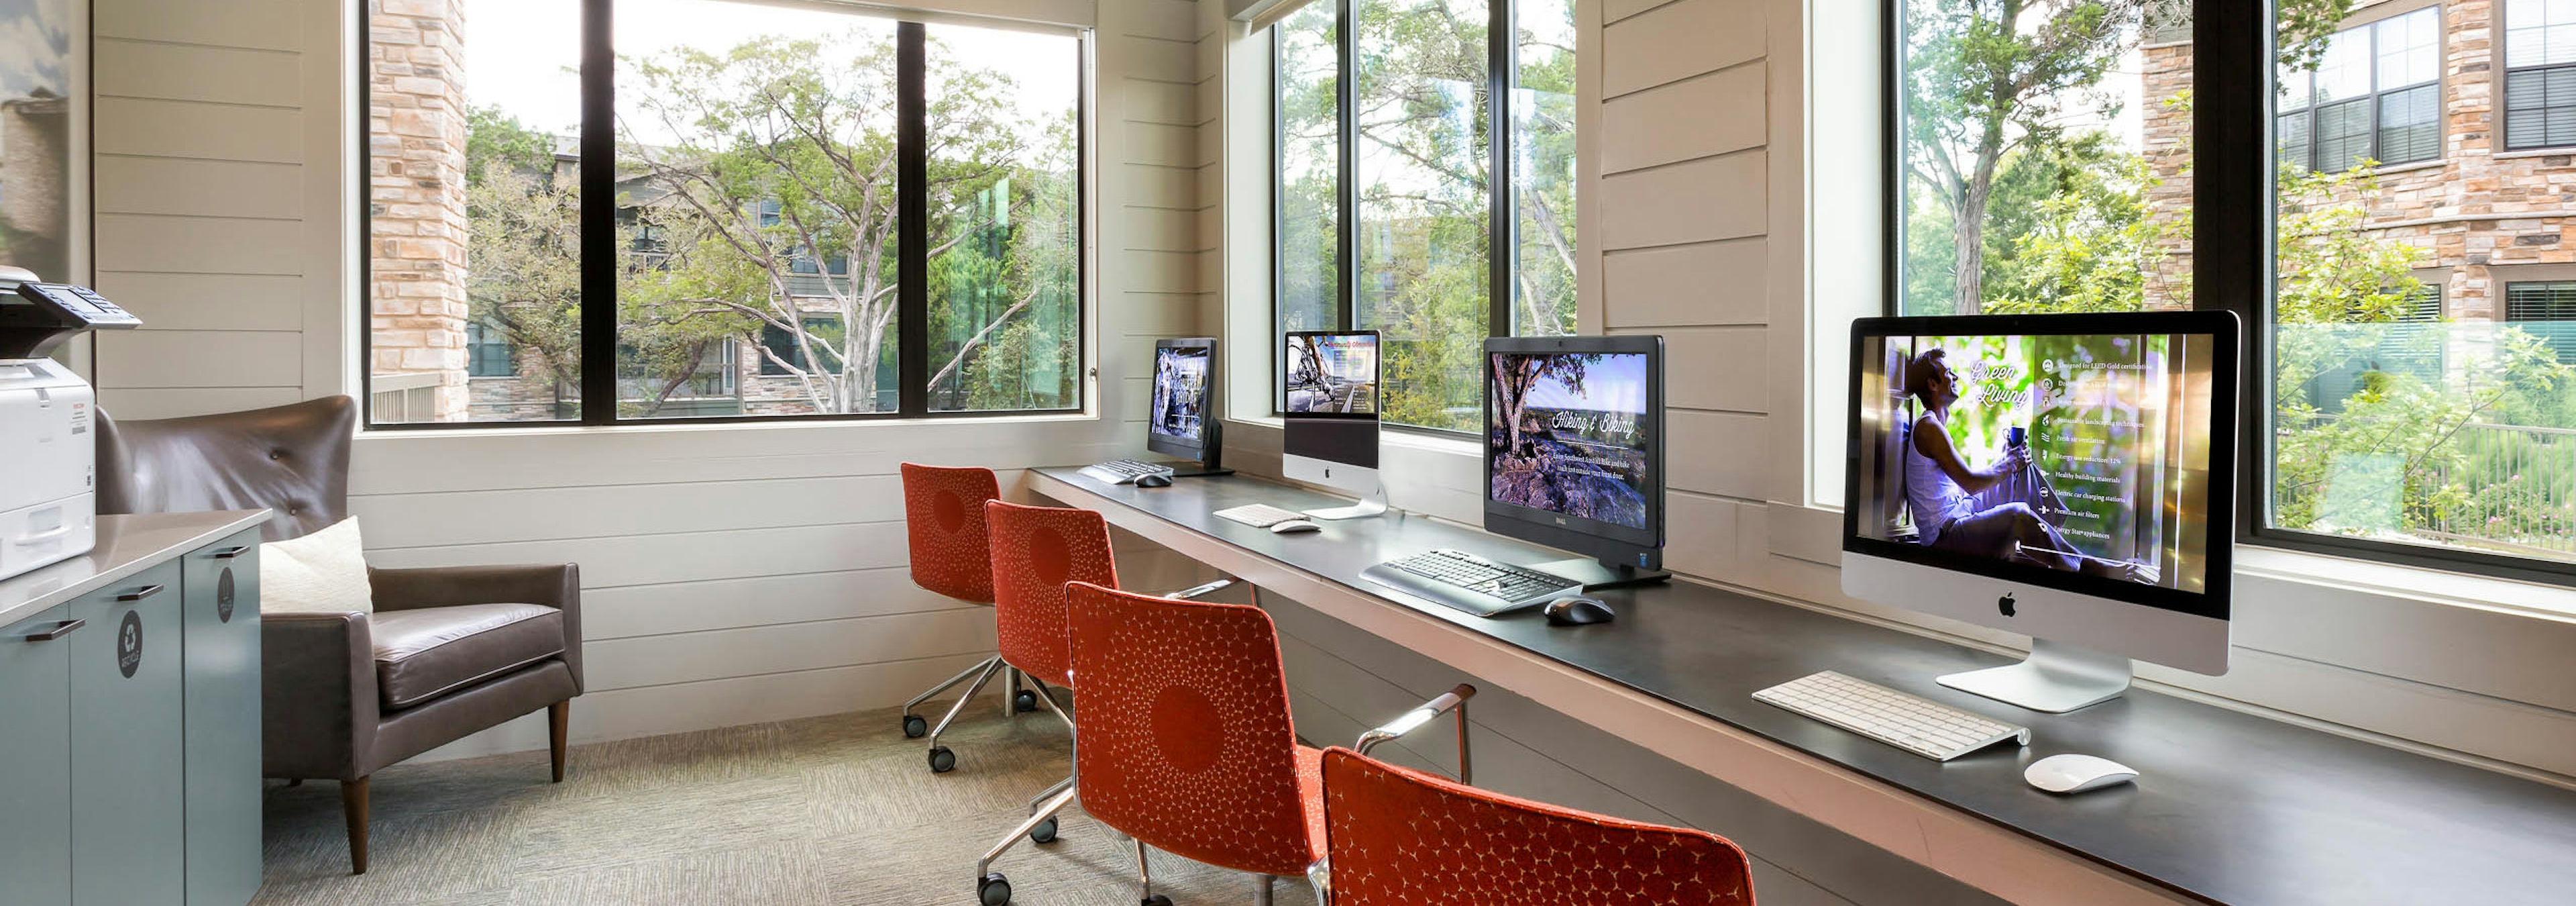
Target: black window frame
(2372, 102)
(1502, 73)
(2234, 168)
(599, 254)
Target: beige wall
(732, 574)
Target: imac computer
(1181, 419)
(1329, 435)
(1574, 452)
(2066, 477)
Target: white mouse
(2073, 773)
(1294, 526)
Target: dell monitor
(1329, 416)
(2066, 477)
(1574, 452)
(1180, 419)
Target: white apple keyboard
(1915, 724)
(1258, 515)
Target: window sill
(2433, 586)
(2533, 152)
(1430, 441)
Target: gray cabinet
(219, 619)
(35, 767)
(128, 764)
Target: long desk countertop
(2230, 808)
(126, 545)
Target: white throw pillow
(324, 572)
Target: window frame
(2374, 100)
(2233, 265)
(2501, 47)
(1502, 240)
(597, 141)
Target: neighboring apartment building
(2468, 108)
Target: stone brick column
(416, 195)
(2168, 151)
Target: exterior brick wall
(2473, 214)
(416, 196)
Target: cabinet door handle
(60, 630)
(230, 552)
(140, 593)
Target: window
(1402, 208)
(2539, 74)
(2374, 95)
(2423, 402)
(817, 213)
(2414, 397)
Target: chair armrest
(318, 700)
(1452, 700)
(553, 585)
(1200, 591)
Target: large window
(793, 211)
(2414, 396)
(1403, 208)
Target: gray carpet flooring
(833, 810)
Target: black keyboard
(1471, 583)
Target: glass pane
(1423, 216)
(2343, 135)
(2420, 395)
(1310, 160)
(2409, 49)
(475, 311)
(1005, 220)
(756, 199)
(1543, 168)
(2290, 139)
(2084, 204)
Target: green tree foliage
(523, 263)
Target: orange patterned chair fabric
(1403, 838)
(1036, 551)
(943, 513)
(1185, 741)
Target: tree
(1511, 387)
(778, 200)
(523, 257)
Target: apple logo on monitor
(2005, 604)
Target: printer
(48, 455)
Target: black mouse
(1577, 610)
(1154, 481)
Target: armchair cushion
(427, 652)
(324, 572)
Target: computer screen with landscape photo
(1567, 433)
(1332, 374)
(1179, 407)
(2076, 453)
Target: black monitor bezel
(1621, 544)
(1195, 449)
(1376, 341)
(2228, 335)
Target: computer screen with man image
(2069, 453)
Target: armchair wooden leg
(353, 803)
(558, 720)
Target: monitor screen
(2033, 453)
(1332, 374)
(1179, 407)
(1568, 433)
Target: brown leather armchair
(449, 651)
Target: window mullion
(1347, 191)
(1502, 254)
(599, 274)
(912, 179)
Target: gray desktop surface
(2230, 808)
(126, 545)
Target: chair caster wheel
(941, 760)
(914, 727)
(994, 891)
(1158, 900)
(1025, 702)
(1044, 833)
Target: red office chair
(943, 510)
(1185, 742)
(1402, 838)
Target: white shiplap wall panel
(483, 517)
(1697, 117)
(205, 301)
(169, 128)
(200, 358)
(1675, 42)
(1692, 201)
(1699, 283)
(681, 556)
(196, 72)
(677, 608)
(199, 188)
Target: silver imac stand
(2056, 678)
(1371, 504)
